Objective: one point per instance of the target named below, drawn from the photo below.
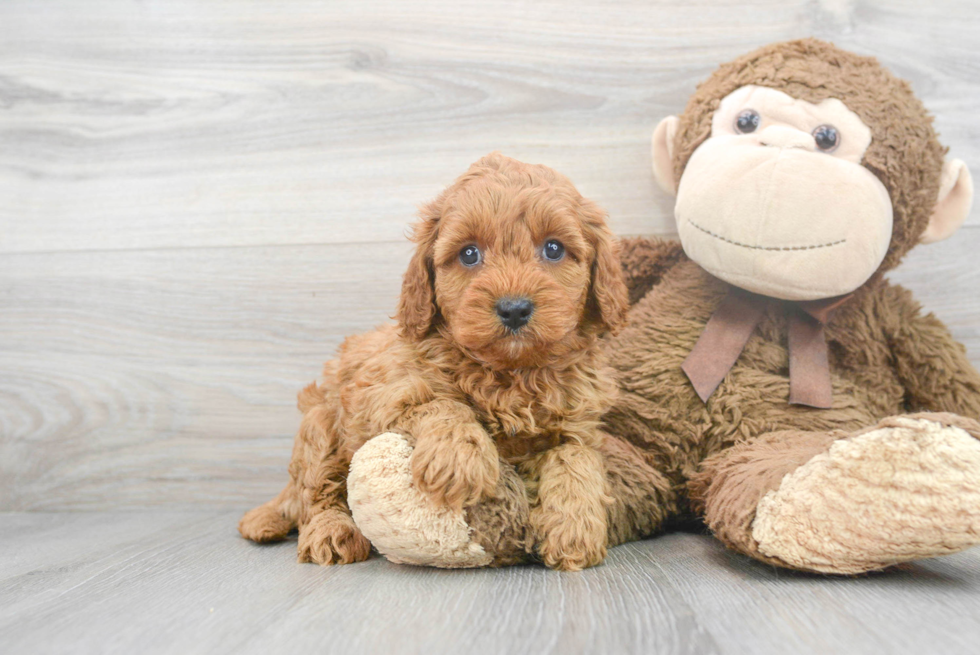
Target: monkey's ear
(952, 204)
(663, 154)
(417, 304)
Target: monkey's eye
(748, 121)
(826, 137)
(553, 250)
(470, 256)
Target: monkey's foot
(907, 489)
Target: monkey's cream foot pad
(908, 489)
(397, 518)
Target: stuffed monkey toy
(772, 381)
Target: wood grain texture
(176, 124)
(198, 201)
(151, 377)
(164, 582)
(168, 377)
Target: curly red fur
(465, 390)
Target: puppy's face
(512, 272)
(521, 267)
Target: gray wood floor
(199, 200)
(184, 582)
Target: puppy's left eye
(553, 250)
(470, 256)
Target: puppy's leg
(327, 534)
(454, 461)
(569, 518)
(330, 537)
(273, 520)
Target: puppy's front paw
(332, 538)
(456, 471)
(570, 541)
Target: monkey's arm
(932, 366)
(645, 260)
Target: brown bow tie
(732, 324)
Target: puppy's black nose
(515, 312)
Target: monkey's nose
(778, 136)
(514, 313)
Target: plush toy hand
(404, 526)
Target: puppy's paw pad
(909, 489)
(570, 544)
(264, 525)
(332, 538)
(578, 559)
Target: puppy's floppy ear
(608, 297)
(417, 304)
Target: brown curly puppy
(494, 363)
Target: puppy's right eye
(553, 250)
(470, 256)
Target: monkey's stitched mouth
(745, 245)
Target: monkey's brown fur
(475, 401)
(886, 357)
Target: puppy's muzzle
(514, 313)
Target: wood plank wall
(198, 200)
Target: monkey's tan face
(777, 202)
